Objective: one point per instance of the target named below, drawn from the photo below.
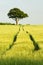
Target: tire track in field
(22, 37)
(14, 40)
(36, 47)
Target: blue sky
(34, 8)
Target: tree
(17, 14)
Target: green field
(16, 47)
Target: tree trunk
(16, 21)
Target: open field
(16, 46)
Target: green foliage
(7, 24)
(17, 13)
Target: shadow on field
(34, 42)
(19, 61)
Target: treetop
(16, 13)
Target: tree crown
(17, 13)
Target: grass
(19, 61)
(22, 51)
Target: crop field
(18, 42)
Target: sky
(34, 9)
